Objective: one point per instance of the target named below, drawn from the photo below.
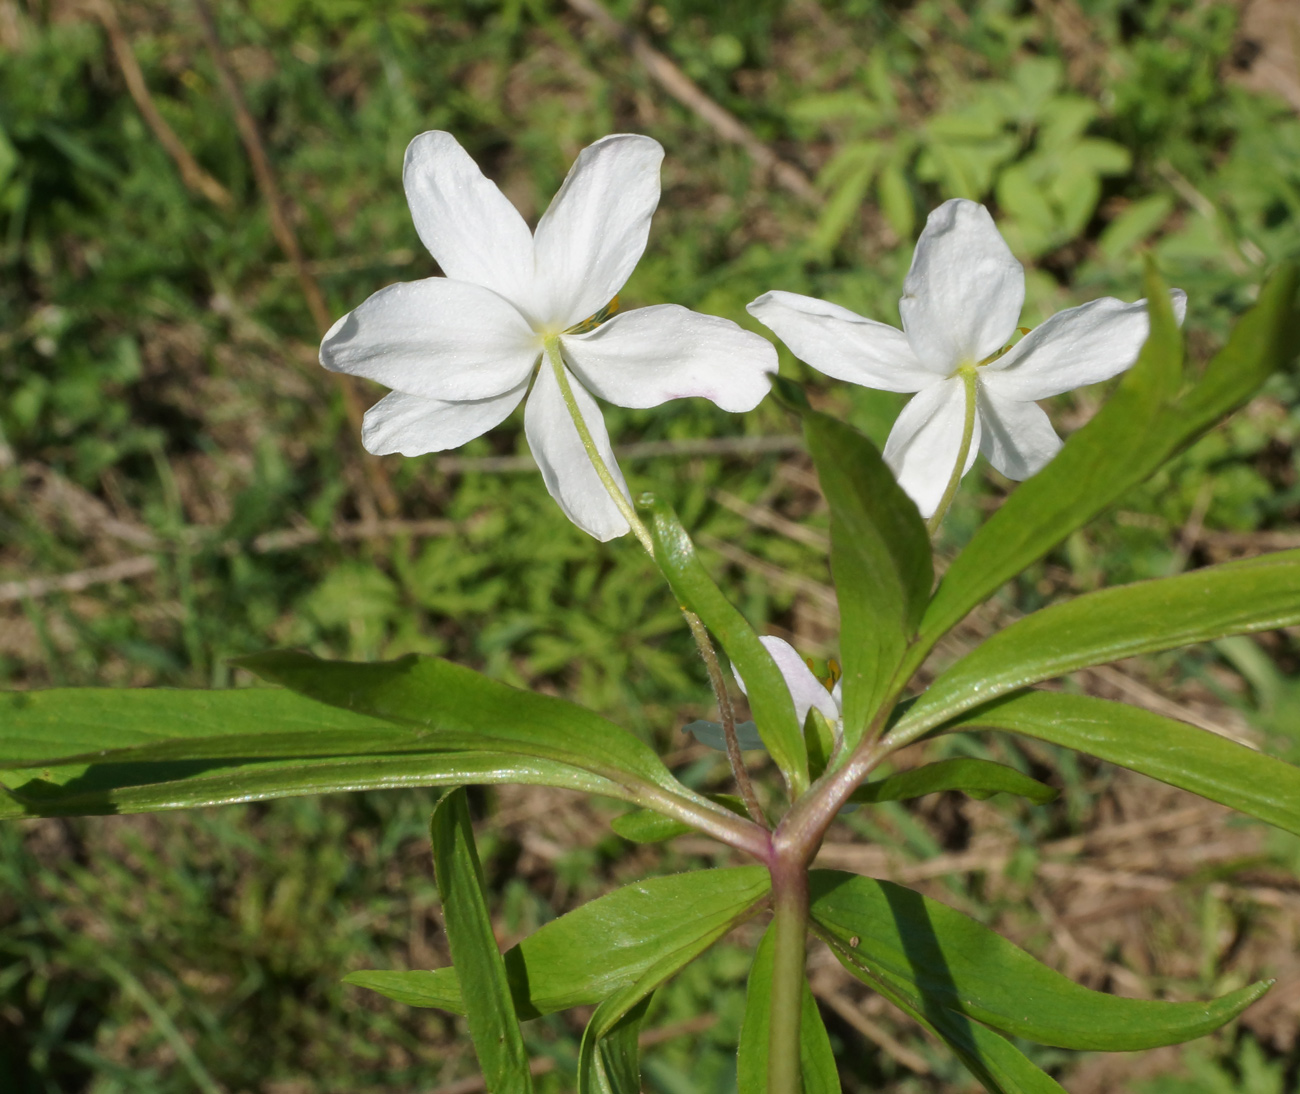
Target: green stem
(593, 453)
(969, 379)
(728, 716)
(701, 636)
(790, 922)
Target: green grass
(159, 399)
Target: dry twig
(192, 174)
(276, 208)
(682, 88)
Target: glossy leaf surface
(1000, 1067)
(603, 946)
(978, 778)
(880, 559)
(489, 1008)
(1174, 752)
(816, 1060)
(954, 964)
(1256, 594)
(125, 786)
(250, 723)
(1140, 426)
(463, 710)
(769, 697)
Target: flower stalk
(969, 380)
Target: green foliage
(880, 559)
(622, 936)
(493, 1024)
(948, 962)
(1165, 749)
(978, 778)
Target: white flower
(459, 351)
(805, 689)
(960, 306)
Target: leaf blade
(618, 938)
(1256, 594)
(978, 778)
(769, 697)
(489, 1007)
(881, 562)
(954, 963)
(1174, 752)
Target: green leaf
(999, 1066)
(248, 723)
(489, 1008)
(816, 1060)
(626, 1005)
(463, 710)
(769, 697)
(978, 778)
(948, 962)
(123, 786)
(1144, 423)
(1256, 594)
(647, 826)
(603, 946)
(1171, 751)
(614, 1067)
(880, 557)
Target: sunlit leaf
(603, 946)
(1256, 594)
(949, 962)
(489, 1008)
(769, 697)
(1171, 751)
(978, 778)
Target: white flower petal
(964, 292)
(593, 234)
(413, 425)
(566, 468)
(467, 224)
(805, 689)
(1017, 438)
(645, 357)
(843, 344)
(437, 338)
(923, 446)
(1078, 346)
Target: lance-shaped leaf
(952, 963)
(816, 1060)
(769, 695)
(165, 723)
(978, 778)
(998, 1065)
(464, 710)
(1256, 594)
(1141, 426)
(880, 558)
(489, 1008)
(603, 946)
(1171, 751)
(125, 786)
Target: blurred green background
(179, 485)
